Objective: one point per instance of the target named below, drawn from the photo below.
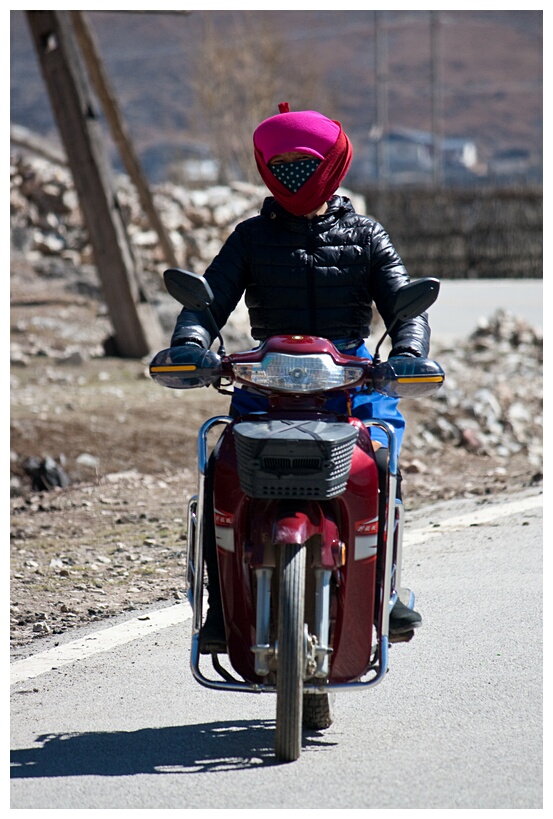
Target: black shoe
(403, 621)
(213, 639)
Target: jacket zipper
(311, 290)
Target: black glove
(402, 354)
(181, 342)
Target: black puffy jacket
(305, 276)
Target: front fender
(300, 524)
(302, 521)
(277, 523)
(296, 528)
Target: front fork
(319, 650)
(262, 649)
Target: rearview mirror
(411, 300)
(192, 291)
(414, 298)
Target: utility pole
(437, 112)
(136, 327)
(381, 57)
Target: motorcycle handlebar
(190, 366)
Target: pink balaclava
(306, 132)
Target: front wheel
(291, 653)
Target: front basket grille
(294, 459)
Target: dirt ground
(113, 539)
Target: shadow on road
(204, 748)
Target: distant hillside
(489, 78)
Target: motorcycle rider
(308, 264)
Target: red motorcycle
(307, 524)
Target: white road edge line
(479, 517)
(106, 639)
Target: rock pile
(492, 399)
(47, 228)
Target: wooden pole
(137, 331)
(119, 131)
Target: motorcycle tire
(291, 653)
(317, 711)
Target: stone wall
(458, 234)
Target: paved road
(117, 722)
(462, 303)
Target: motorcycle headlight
(293, 373)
